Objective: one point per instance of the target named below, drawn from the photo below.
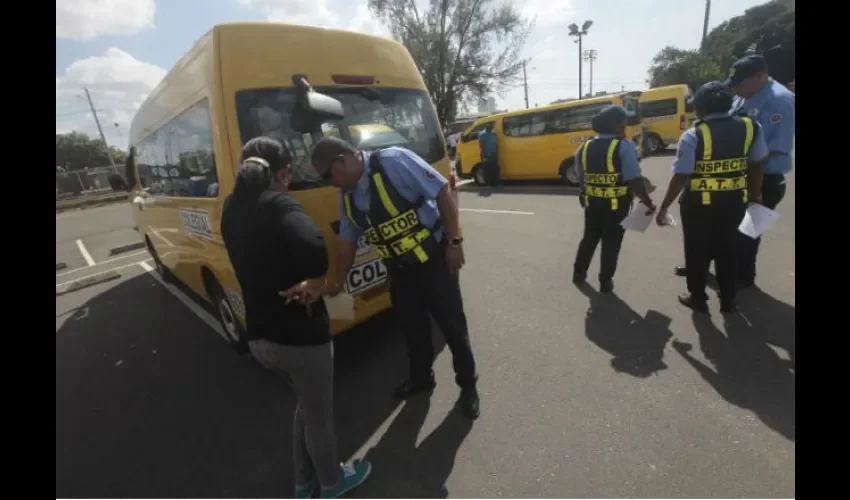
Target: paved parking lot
(625, 395)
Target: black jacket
(273, 244)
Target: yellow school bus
(540, 143)
(243, 80)
(666, 114)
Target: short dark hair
(328, 148)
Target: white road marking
(85, 253)
(488, 211)
(199, 311)
(102, 272)
(463, 182)
(107, 261)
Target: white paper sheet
(637, 220)
(757, 220)
(340, 307)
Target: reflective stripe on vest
(401, 234)
(609, 185)
(728, 174)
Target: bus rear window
(374, 118)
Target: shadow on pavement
(151, 403)
(745, 370)
(637, 343)
(772, 320)
(405, 470)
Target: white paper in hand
(637, 220)
(340, 307)
(757, 219)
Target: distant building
(487, 105)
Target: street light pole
(579, 33)
(590, 56)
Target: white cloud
(118, 83)
(82, 20)
(546, 12)
(319, 13)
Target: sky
(120, 49)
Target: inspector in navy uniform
(610, 176)
(718, 165)
(772, 105)
(405, 210)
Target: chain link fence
(89, 182)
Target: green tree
(465, 49)
(767, 29)
(675, 66)
(77, 150)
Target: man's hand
(661, 217)
(306, 292)
(650, 207)
(455, 258)
(582, 199)
(333, 289)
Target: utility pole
(705, 24)
(590, 56)
(579, 33)
(525, 83)
(99, 129)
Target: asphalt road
(625, 395)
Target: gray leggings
(310, 372)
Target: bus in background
(666, 114)
(243, 80)
(540, 143)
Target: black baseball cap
(714, 96)
(608, 118)
(744, 68)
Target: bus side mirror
(312, 108)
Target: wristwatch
(456, 242)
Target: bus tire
(653, 144)
(479, 175)
(458, 168)
(163, 271)
(233, 330)
(568, 172)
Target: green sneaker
(353, 476)
(308, 490)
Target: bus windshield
(374, 118)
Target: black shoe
(680, 271)
(468, 403)
(728, 306)
(697, 305)
(606, 286)
(410, 388)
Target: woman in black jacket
(280, 257)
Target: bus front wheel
(479, 175)
(568, 173)
(226, 316)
